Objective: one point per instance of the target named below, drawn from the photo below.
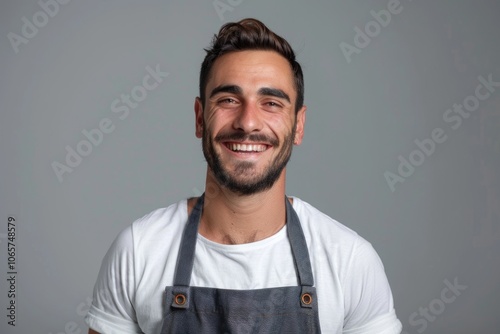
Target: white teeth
(247, 147)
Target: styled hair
(250, 34)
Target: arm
(369, 303)
(111, 310)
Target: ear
(299, 127)
(198, 111)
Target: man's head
(250, 34)
(247, 116)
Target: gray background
(441, 223)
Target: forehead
(252, 69)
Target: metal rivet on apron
(306, 299)
(180, 299)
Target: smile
(239, 147)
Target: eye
(227, 100)
(272, 104)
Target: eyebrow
(266, 91)
(274, 92)
(226, 89)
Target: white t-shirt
(353, 292)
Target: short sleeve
(112, 309)
(369, 307)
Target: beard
(245, 180)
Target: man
(243, 258)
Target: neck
(231, 218)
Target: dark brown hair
(250, 34)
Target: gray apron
(192, 309)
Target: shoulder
(157, 228)
(162, 222)
(151, 240)
(332, 244)
(317, 224)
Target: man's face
(248, 124)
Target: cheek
(218, 121)
(280, 126)
(213, 116)
(210, 123)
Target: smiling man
(247, 258)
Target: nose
(249, 118)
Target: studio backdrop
(402, 141)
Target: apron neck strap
(188, 245)
(299, 246)
(295, 235)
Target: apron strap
(295, 234)
(188, 244)
(299, 246)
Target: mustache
(247, 137)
